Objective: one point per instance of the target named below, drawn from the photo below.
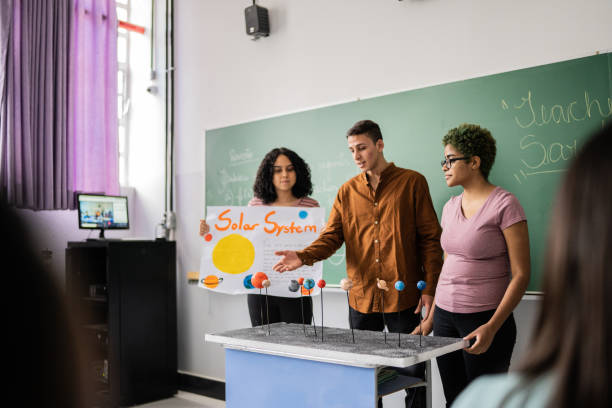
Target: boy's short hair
(366, 127)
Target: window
(123, 99)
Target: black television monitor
(103, 212)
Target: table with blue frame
(287, 365)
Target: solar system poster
(242, 241)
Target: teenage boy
(385, 218)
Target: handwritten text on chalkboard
(544, 154)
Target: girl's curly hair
(473, 140)
(264, 189)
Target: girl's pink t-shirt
(476, 271)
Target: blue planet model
(247, 282)
(309, 284)
(421, 285)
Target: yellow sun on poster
(233, 254)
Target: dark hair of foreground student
(41, 345)
(574, 329)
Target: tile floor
(185, 400)
(188, 400)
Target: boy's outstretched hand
(289, 261)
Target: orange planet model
(212, 281)
(257, 279)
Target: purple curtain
(34, 100)
(58, 101)
(6, 8)
(93, 97)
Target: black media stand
(125, 292)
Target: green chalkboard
(539, 116)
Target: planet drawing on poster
(211, 281)
(233, 254)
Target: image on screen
(103, 212)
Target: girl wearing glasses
(283, 179)
(486, 263)
(570, 364)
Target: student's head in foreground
(42, 354)
(573, 333)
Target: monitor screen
(103, 212)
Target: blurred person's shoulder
(511, 390)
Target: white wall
(146, 120)
(323, 52)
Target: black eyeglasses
(449, 162)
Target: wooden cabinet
(124, 294)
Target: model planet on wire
(294, 285)
(309, 283)
(382, 284)
(346, 284)
(247, 282)
(257, 279)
